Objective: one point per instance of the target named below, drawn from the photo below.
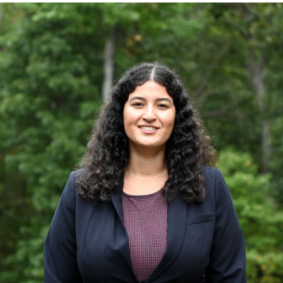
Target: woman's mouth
(148, 129)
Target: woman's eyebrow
(158, 99)
(137, 97)
(167, 99)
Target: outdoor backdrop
(57, 63)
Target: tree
(256, 27)
(260, 219)
(48, 102)
(51, 70)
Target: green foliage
(260, 218)
(48, 103)
(277, 161)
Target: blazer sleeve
(60, 250)
(228, 257)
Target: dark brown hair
(187, 150)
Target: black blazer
(88, 243)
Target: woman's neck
(147, 162)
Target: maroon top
(145, 220)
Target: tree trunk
(108, 66)
(256, 67)
(256, 71)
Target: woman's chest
(103, 247)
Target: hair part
(107, 153)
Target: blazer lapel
(177, 216)
(116, 197)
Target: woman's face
(149, 115)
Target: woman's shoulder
(210, 173)
(71, 187)
(216, 186)
(214, 181)
(76, 174)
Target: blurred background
(57, 65)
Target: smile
(148, 128)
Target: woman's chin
(149, 145)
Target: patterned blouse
(145, 220)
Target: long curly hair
(107, 153)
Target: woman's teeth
(148, 128)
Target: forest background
(57, 65)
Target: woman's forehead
(149, 90)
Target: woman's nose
(149, 114)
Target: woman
(146, 207)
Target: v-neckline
(177, 215)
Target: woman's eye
(138, 104)
(163, 106)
